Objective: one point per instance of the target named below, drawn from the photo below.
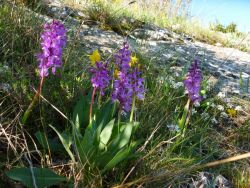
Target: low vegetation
(172, 15)
(231, 28)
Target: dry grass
(168, 14)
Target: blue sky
(225, 11)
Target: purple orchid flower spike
(123, 92)
(53, 40)
(192, 82)
(123, 57)
(128, 84)
(101, 76)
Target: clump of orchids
(128, 85)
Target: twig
(230, 159)
(151, 136)
(62, 114)
(149, 178)
(162, 143)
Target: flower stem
(183, 120)
(132, 110)
(91, 105)
(99, 101)
(188, 109)
(119, 119)
(189, 115)
(33, 102)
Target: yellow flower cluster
(134, 62)
(116, 73)
(231, 112)
(94, 57)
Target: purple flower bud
(123, 92)
(100, 78)
(137, 83)
(192, 82)
(123, 57)
(53, 40)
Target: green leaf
(109, 159)
(66, 141)
(104, 115)
(77, 123)
(89, 134)
(79, 147)
(183, 121)
(106, 134)
(53, 145)
(43, 177)
(41, 137)
(85, 145)
(81, 112)
(103, 158)
(125, 135)
(123, 138)
(121, 155)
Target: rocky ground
(226, 69)
(229, 68)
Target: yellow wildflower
(116, 73)
(133, 61)
(232, 112)
(95, 57)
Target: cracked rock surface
(228, 69)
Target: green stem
(119, 120)
(183, 121)
(189, 115)
(91, 105)
(132, 110)
(113, 109)
(33, 102)
(99, 101)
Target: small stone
(223, 115)
(230, 74)
(214, 120)
(238, 108)
(176, 26)
(5, 87)
(222, 182)
(204, 180)
(221, 95)
(152, 43)
(218, 44)
(236, 91)
(173, 127)
(168, 55)
(201, 53)
(220, 108)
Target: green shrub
(231, 28)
